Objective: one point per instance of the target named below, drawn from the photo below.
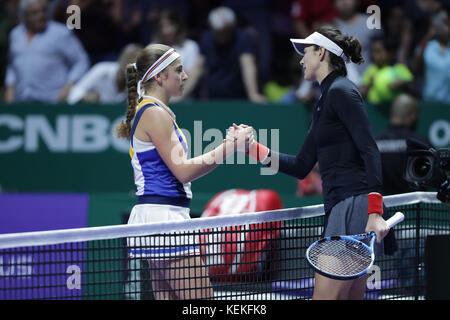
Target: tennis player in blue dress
(163, 173)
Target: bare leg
(190, 279)
(358, 288)
(160, 284)
(330, 289)
(180, 279)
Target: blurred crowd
(72, 51)
(230, 49)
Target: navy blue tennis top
(341, 140)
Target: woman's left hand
(377, 224)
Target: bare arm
(156, 125)
(91, 97)
(250, 77)
(65, 91)
(9, 94)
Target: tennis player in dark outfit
(341, 141)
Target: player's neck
(161, 101)
(161, 95)
(322, 73)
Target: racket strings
(340, 257)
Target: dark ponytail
(350, 45)
(353, 50)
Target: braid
(123, 129)
(132, 92)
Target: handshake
(241, 136)
(243, 140)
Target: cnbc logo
(88, 133)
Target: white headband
(165, 60)
(320, 40)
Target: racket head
(341, 257)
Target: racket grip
(396, 218)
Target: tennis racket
(345, 257)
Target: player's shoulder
(154, 114)
(342, 82)
(343, 91)
(155, 121)
(342, 86)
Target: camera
(429, 168)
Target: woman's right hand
(242, 136)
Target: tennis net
(251, 256)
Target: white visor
(318, 39)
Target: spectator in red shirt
(307, 15)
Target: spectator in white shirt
(105, 81)
(45, 58)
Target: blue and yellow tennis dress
(161, 196)
(154, 181)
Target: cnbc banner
(57, 148)
(61, 148)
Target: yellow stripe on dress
(181, 132)
(131, 152)
(144, 102)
